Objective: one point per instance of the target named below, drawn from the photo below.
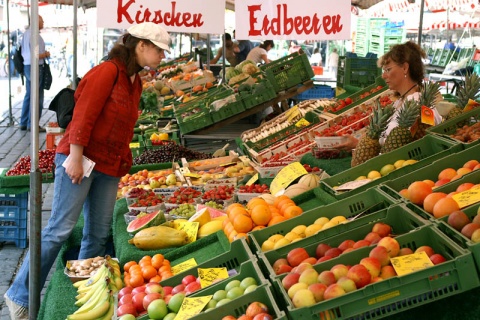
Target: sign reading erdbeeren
(206, 16)
(292, 19)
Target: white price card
(87, 165)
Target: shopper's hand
(350, 144)
(74, 171)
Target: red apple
(154, 287)
(333, 291)
(125, 299)
(382, 229)
(308, 276)
(192, 287)
(346, 244)
(138, 289)
(381, 254)
(333, 252)
(324, 258)
(296, 256)
(318, 289)
(428, 250)
(138, 301)
(311, 260)
(339, 270)
(178, 288)
(373, 266)
(458, 220)
(361, 243)
(124, 291)
(372, 237)
(127, 309)
(437, 258)
(167, 290)
(360, 275)
(302, 267)
(188, 279)
(290, 279)
(469, 228)
(387, 272)
(321, 249)
(347, 284)
(326, 277)
(392, 245)
(284, 268)
(149, 298)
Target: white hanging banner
(293, 19)
(189, 16)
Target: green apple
(176, 302)
(157, 309)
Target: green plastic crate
(449, 127)
(398, 216)
(459, 238)
(430, 172)
(198, 121)
(239, 253)
(426, 150)
(22, 180)
(288, 71)
(228, 111)
(372, 199)
(397, 294)
(449, 97)
(357, 78)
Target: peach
(465, 186)
(463, 171)
(333, 252)
(321, 249)
(437, 258)
(441, 182)
(458, 219)
(372, 237)
(476, 219)
(476, 167)
(447, 173)
(308, 276)
(418, 191)
(475, 236)
(468, 230)
(290, 279)
(404, 193)
(391, 244)
(346, 244)
(360, 275)
(471, 164)
(405, 251)
(302, 267)
(333, 291)
(303, 298)
(361, 243)
(296, 287)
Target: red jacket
(103, 119)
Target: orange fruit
(261, 215)
(254, 202)
(276, 219)
(231, 236)
(242, 223)
(135, 270)
(136, 281)
(237, 211)
(279, 199)
(157, 260)
(431, 183)
(166, 275)
(417, 191)
(157, 278)
(126, 280)
(240, 235)
(230, 207)
(149, 272)
(292, 211)
(431, 200)
(444, 207)
(284, 205)
(126, 266)
(274, 210)
(447, 173)
(258, 228)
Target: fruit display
(220, 193)
(159, 237)
(146, 220)
(46, 164)
(169, 153)
(84, 268)
(184, 210)
(468, 227)
(184, 195)
(95, 297)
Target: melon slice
(148, 220)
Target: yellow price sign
(411, 262)
(286, 176)
(302, 123)
(192, 175)
(467, 197)
(134, 145)
(252, 180)
(191, 228)
(179, 268)
(192, 306)
(209, 275)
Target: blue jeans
(25, 117)
(96, 195)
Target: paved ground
(14, 144)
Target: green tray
(199, 121)
(399, 217)
(449, 127)
(431, 171)
(21, 181)
(397, 294)
(427, 149)
(368, 201)
(228, 110)
(239, 252)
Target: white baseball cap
(153, 32)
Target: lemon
(361, 178)
(300, 230)
(374, 174)
(275, 237)
(267, 245)
(312, 229)
(409, 162)
(338, 219)
(281, 243)
(399, 163)
(321, 221)
(386, 169)
(292, 236)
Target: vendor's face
(393, 75)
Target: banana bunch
(95, 294)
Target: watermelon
(148, 220)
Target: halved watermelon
(148, 220)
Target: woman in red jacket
(101, 129)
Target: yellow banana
(111, 310)
(118, 282)
(100, 309)
(94, 300)
(92, 292)
(80, 283)
(100, 275)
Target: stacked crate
(359, 72)
(384, 36)
(364, 29)
(13, 218)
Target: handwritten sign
(175, 16)
(467, 197)
(192, 306)
(286, 176)
(190, 228)
(210, 275)
(411, 262)
(179, 268)
(252, 180)
(292, 20)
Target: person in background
(294, 47)
(333, 61)
(242, 48)
(259, 54)
(229, 49)
(101, 129)
(403, 71)
(25, 123)
(316, 58)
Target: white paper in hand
(86, 163)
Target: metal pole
(420, 26)
(10, 114)
(35, 175)
(75, 39)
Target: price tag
(286, 176)
(179, 268)
(350, 185)
(467, 197)
(472, 104)
(192, 306)
(134, 145)
(191, 228)
(192, 175)
(209, 275)
(302, 123)
(252, 180)
(411, 262)
(427, 116)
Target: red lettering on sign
(282, 23)
(171, 18)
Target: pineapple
(368, 146)
(430, 95)
(470, 90)
(401, 134)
